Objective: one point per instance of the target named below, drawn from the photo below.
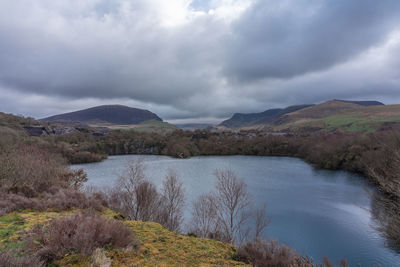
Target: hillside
(108, 114)
(158, 246)
(243, 120)
(150, 126)
(339, 116)
(330, 116)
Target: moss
(10, 225)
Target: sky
(196, 60)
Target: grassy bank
(158, 246)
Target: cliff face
(60, 130)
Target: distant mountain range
(108, 114)
(331, 116)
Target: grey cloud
(110, 56)
(58, 56)
(280, 39)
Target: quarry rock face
(61, 130)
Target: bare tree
(172, 202)
(261, 221)
(133, 175)
(126, 189)
(226, 214)
(133, 195)
(204, 221)
(147, 199)
(231, 201)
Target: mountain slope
(340, 116)
(111, 114)
(242, 120)
(363, 103)
(330, 116)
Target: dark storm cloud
(279, 39)
(106, 57)
(195, 59)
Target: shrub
(9, 260)
(79, 233)
(260, 253)
(56, 199)
(33, 170)
(64, 199)
(11, 202)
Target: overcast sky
(196, 60)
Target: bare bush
(172, 202)
(64, 199)
(8, 259)
(260, 253)
(328, 263)
(57, 199)
(11, 202)
(386, 212)
(383, 165)
(30, 170)
(79, 233)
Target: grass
(354, 123)
(159, 247)
(10, 225)
(150, 126)
(334, 117)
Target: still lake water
(318, 212)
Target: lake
(318, 212)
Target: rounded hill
(112, 114)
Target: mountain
(362, 103)
(108, 114)
(339, 116)
(330, 116)
(242, 120)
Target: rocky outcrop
(61, 130)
